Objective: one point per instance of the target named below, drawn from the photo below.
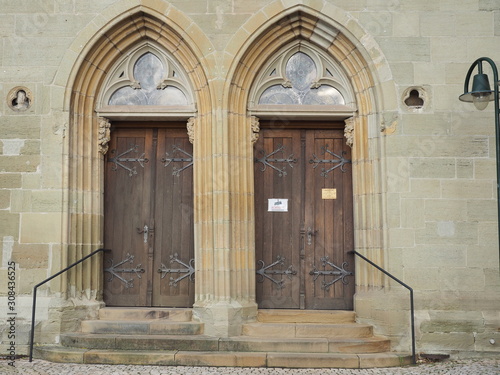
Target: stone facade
(423, 162)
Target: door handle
(146, 230)
(310, 233)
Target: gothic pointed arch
(285, 33)
(96, 76)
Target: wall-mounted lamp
(481, 94)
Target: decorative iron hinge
(119, 160)
(188, 271)
(264, 272)
(168, 160)
(340, 161)
(342, 273)
(266, 160)
(115, 271)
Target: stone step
(142, 327)
(229, 344)
(234, 359)
(300, 330)
(145, 313)
(140, 342)
(306, 316)
(279, 338)
(375, 344)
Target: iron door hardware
(310, 234)
(188, 271)
(339, 273)
(146, 230)
(120, 160)
(175, 170)
(266, 160)
(338, 160)
(265, 271)
(115, 271)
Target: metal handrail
(33, 310)
(412, 306)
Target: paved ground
(489, 366)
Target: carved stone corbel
(191, 128)
(104, 135)
(349, 131)
(255, 128)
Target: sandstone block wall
(440, 232)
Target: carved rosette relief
(349, 131)
(255, 129)
(191, 128)
(104, 135)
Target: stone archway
(319, 28)
(84, 159)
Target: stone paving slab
(483, 366)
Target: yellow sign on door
(329, 193)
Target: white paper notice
(278, 205)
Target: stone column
(224, 224)
(368, 226)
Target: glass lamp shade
(481, 100)
(481, 92)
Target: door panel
(174, 221)
(278, 175)
(148, 218)
(308, 245)
(330, 220)
(126, 208)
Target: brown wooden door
(148, 218)
(301, 252)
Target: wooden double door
(148, 207)
(304, 219)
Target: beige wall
(425, 203)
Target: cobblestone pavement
(484, 366)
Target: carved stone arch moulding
(125, 40)
(262, 64)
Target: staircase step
(260, 344)
(140, 342)
(152, 327)
(305, 360)
(145, 313)
(279, 338)
(229, 344)
(376, 344)
(289, 330)
(306, 316)
(234, 359)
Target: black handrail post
(412, 306)
(33, 309)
